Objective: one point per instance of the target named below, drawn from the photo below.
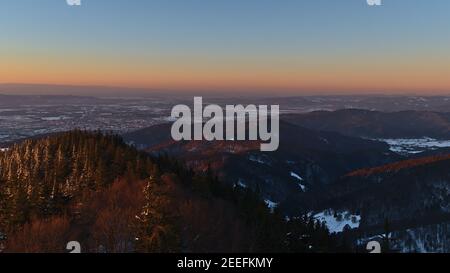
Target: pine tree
(386, 244)
(155, 228)
(3, 209)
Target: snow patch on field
(337, 221)
(415, 145)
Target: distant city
(26, 116)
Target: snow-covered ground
(414, 146)
(270, 204)
(336, 221)
(241, 183)
(55, 118)
(298, 177)
(259, 159)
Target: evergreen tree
(386, 244)
(155, 227)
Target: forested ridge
(94, 188)
(40, 176)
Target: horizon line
(111, 90)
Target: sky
(256, 46)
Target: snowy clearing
(414, 146)
(336, 221)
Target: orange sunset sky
(293, 47)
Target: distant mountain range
(375, 124)
(289, 104)
(11, 100)
(59, 89)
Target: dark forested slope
(95, 189)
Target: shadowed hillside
(95, 189)
(306, 160)
(374, 124)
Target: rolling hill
(375, 124)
